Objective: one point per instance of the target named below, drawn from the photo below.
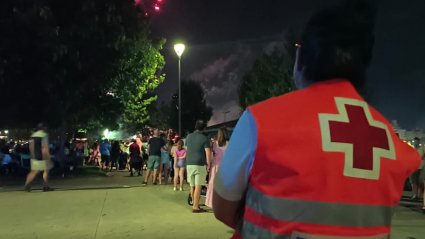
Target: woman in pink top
(179, 164)
(219, 147)
(94, 157)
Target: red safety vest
(327, 164)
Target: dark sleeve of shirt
(207, 143)
(162, 143)
(187, 140)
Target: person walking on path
(86, 152)
(40, 158)
(421, 150)
(126, 152)
(95, 154)
(198, 153)
(348, 180)
(179, 164)
(154, 151)
(136, 160)
(219, 147)
(115, 155)
(165, 160)
(105, 152)
(417, 177)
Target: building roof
(228, 124)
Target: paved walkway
(136, 212)
(97, 180)
(148, 212)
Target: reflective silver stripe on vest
(297, 235)
(251, 231)
(320, 213)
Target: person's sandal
(27, 188)
(47, 189)
(145, 183)
(199, 210)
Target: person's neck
(308, 83)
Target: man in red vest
(319, 162)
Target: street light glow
(6, 131)
(179, 48)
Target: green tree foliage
(194, 107)
(271, 75)
(160, 116)
(81, 63)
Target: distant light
(179, 48)
(159, 0)
(297, 45)
(146, 14)
(6, 132)
(157, 7)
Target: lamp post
(179, 48)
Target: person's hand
(208, 168)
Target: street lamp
(179, 48)
(6, 131)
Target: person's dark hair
(416, 139)
(5, 150)
(144, 139)
(116, 146)
(337, 43)
(200, 125)
(180, 144)
(222, 136)
(163, 137)
(41, 126)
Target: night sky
(224, 37)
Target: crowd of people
(167, 158)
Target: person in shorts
(165, 160)
(136, 160)
(416, 178)
(154, 151)
(105, 153)
(179, 164)
(198, 154)
(40, 158)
